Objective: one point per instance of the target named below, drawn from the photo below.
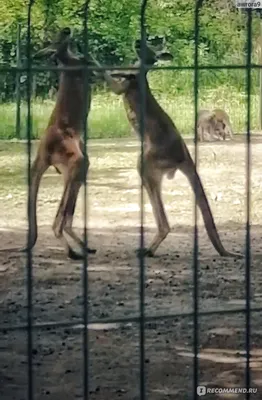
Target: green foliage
(112, 27)
(107, 118)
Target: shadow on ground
(113, 283)
(113, 287)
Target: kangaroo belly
(171, 173)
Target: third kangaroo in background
(222, 118)
(213, 126)
(208, 128)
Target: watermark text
(203, 390)
(248, 4)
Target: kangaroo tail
(189, 169)
(37, 170)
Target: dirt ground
(113, 276)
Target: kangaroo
(165, 151)
(61, 145)
(223, 121)
(208, 128)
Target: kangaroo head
(59, 46)
(153, 51)
(119, 80)
(60, 51)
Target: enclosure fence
(141, 319)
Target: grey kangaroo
(165, 151)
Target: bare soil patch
(113, 281)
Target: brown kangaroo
(61, 145)
(208, 128)
(222, 118)
(165, 151)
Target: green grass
(108, 120)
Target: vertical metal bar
(195, 251)
(34, 84)
(87, 92)
(260, 76)
(18, 86)
(29, 254)
(142, 81)
(248, 203)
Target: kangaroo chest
(72, 106)
(133, 107)
(131, 114)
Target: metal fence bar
(18, 83)
(260, 75)
(85, 261)
(142, 78)
(195, 247)
(248, 177)
(141, 319)
(132, 319)
(122, 68)
(29, 253)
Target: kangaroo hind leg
(74, 177)
(152, 179)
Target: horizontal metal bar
(127, 68)
(134, 319)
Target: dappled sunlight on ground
(113, 278)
